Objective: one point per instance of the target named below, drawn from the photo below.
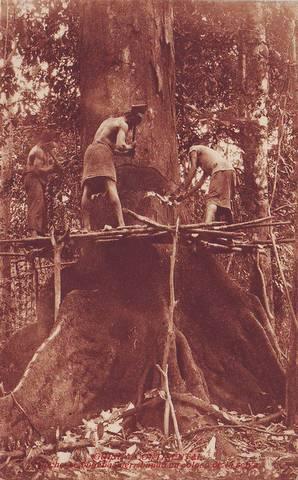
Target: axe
(136, 109)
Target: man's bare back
(209, 160)
(113, 131)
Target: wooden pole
(169, 408)
(170, 331)
(57, 249)
(35, 283)
(291, 387)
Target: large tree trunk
(127, 57)
(113, 321)
(255, 86)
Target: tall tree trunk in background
(292, 370)
(5, 180)
(255, 87)
(5, 271)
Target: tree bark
(127, 57)
(255, 87)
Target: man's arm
(36, 163)
(193, 168)
(198, 185)
(50, 169)
(121, 138)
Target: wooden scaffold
(218, 238)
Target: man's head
(133, 119)
(47, 139)
(135, 115)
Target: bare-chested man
(222, 182)
(40, 164)
(99, 173)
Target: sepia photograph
(148, 178)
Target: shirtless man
(222, 182)
(40, 164)
(99, 173)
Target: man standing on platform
(222, 182)
(40, 164)
(99, 173)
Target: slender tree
(6, 165)
(254, 54)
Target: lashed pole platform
(217, 237)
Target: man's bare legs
(112, 193)
(111, 189)
(85, 207)
(210, 213)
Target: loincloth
(221, 189)
(96, 185)
(98, 162)
(37, 210)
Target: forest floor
(101, 449)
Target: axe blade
(139, 108)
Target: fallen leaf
(63, 457)
(105, 415)
(134, 439)
(268, 464)
(209, 451)
(131, 450)
(114, 451)
(114, 427)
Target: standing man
(40, 164)
(222, 182)
(99, 173)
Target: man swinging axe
(222, 182)
(99, 173)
